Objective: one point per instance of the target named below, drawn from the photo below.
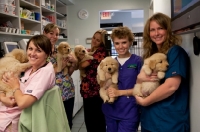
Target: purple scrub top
(125, 107)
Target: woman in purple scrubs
(123, 114)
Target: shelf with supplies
(28, 17)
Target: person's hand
(72, 59)
(141, 101)
(11, 80)
(65, 62)
(8, 101)
(112, 92)
(142, 77)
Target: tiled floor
(78, 122)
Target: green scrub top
(172, 113)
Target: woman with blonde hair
(167, 108)
(94, 118)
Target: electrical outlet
(76, 41)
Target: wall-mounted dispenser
(196, 45)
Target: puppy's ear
(75, 52)
(101, 64)
(152, 64)
(60, 48)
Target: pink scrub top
(35, 84)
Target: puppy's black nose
(83, 51)
(109, 69)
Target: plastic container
(37, 16)
(4, 29)
(11, 9)
(3, 8)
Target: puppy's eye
(160, 61)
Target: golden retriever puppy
(107, 76)
(157, 63)
(63, 50)
(15, 62)
(79, 52)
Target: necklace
(39, 68)
(32, 73)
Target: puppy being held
(157, 63)
(82, 55)
(15, 62)
(63, 51)
(107, 76)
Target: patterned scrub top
(65, 83)
(89, 86)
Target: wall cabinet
(163, 6)
(28, 17)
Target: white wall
(194, 81)
(83, 29)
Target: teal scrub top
(172, 113)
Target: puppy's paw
(114, 80)
(161, 75)
(106, 99)
(111, 100)
(83, 75)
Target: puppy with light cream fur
(63, 51)
(16, 62)
(157, 63)
(107, 76)
(81, 52)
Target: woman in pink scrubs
(30, 87)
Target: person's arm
(162, 92)
(112, 92)
(7, 101)
(22, 100)
(84, 64)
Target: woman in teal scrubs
(167, 108)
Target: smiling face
(36, 56)
(96, 40)
(157, 34)
(52, 35)
(122, 47)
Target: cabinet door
(61, 17)
(193, 16)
